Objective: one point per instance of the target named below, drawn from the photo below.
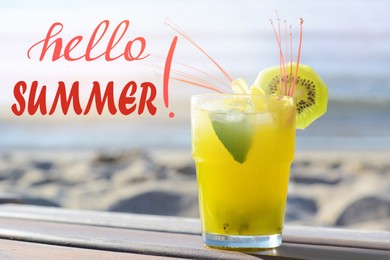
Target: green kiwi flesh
(310, 93)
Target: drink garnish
(294, 79)
(287, 79)
(235, 131)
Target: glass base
(242, 242)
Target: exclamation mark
(167, 71)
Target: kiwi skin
(310, 93)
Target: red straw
(298, 59)
(199, 85)
(285, 67)
(182, 33)
(291, 59)
(281, 60)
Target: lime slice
(234, 128)
(234, 131)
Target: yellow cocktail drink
(243, 149)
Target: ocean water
(346, 126)
(346, 42)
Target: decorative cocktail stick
(283, 66)
(204, 73)
(298, 58)
(291, 59)
(281, 59)
(285, 78)
(182, 33)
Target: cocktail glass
(243, 147)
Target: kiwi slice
(310, 92)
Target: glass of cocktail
(243, 147)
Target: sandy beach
(327, 188)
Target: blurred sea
(346, 42)
(348, 125)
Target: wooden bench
(34, 232)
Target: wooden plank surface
(141, 242)
(291, 234)
(113, 239)
(157, 243)
(19, 250)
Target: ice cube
(263, 118)
(230, 116)
(234, 116)
(211, 106)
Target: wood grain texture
(11, 249)
(158, 236)
(291, 234)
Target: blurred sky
(347, 42)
